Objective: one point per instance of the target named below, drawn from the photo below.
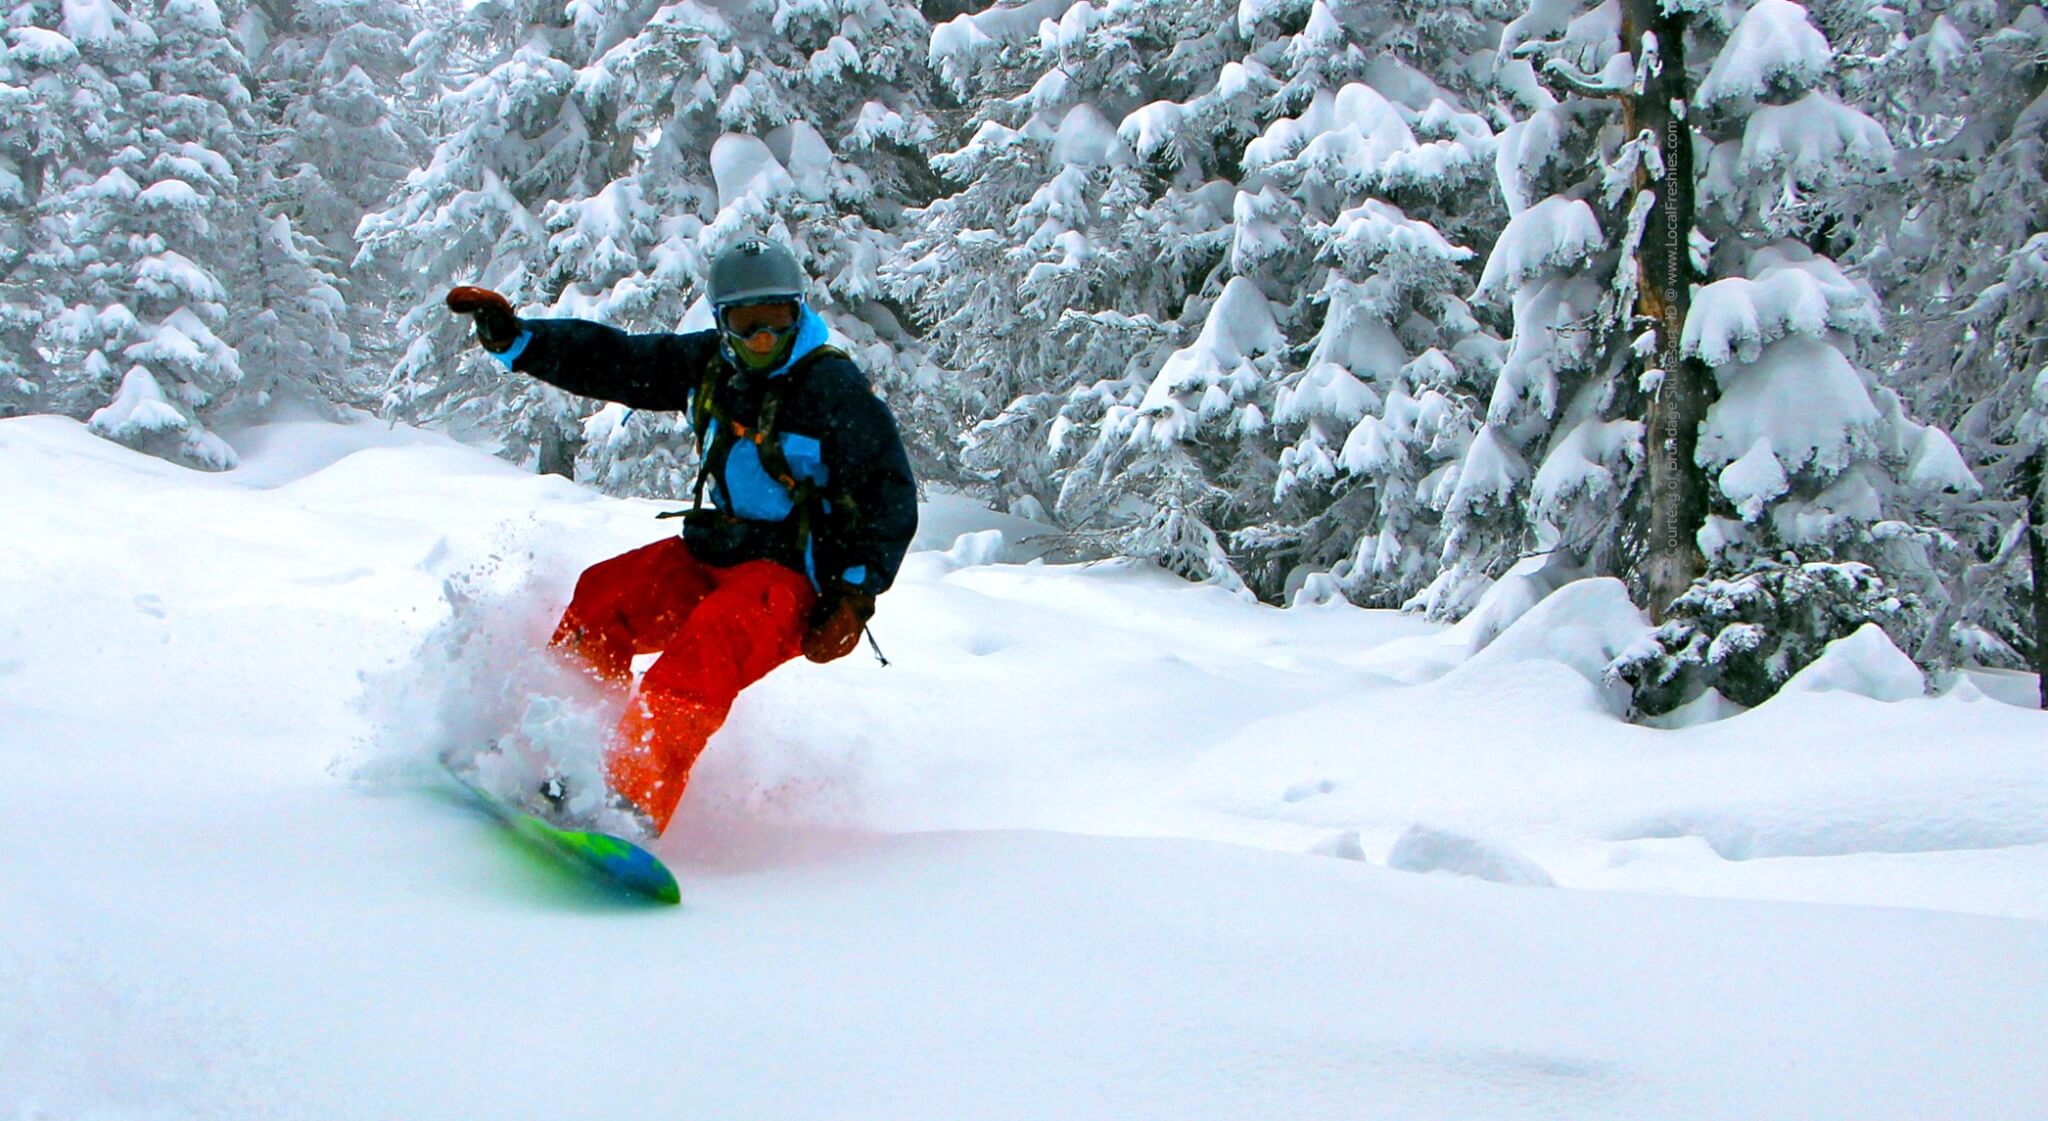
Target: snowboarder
(813, 506)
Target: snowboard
(610, 861)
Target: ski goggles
(761, 328)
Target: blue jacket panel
(833, 430)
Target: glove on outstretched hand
(496, 327)
(836, 623)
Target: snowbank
(1867, 664)
(985, 880)
(1424, 848)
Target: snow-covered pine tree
(1962, 264)
(1556, 462)
(138, 220)
(511, 138)
(1022, 276)
(35, 62)
(1813, 462)
(338, 137)
(813, 129)
(596, 159)
(1384, 169)
(1245, 214)
(1998, 614)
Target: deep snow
(1071, 855)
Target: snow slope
(1055, 861)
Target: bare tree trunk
(558, 450)
(2037, 554)
(1675, 499)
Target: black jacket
(835, 434)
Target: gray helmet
(755, 271)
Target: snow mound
(1835, 821)
(1343, 846)
(280, 452)
(1424, 848)
(1544, 610)
(1865, 663)
(1707, 708)
(986, 546)
(945, 517)
(1507, 599)
(1584, 626)
(2007, 687)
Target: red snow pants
(718, 630)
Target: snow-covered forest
(1476, 559)
(1738, 302)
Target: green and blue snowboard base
(611, 861)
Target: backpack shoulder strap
(762, 435)
(704, 410)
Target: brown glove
(836, 624)
(497, 328)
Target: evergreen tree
(1379, 166)
(1961, 261)
(38, 70)
(594, 163)
(1022, 277)
(1561, 447)
(1245, 213)
(511, 139)
(337, 140)
(136, 220)
(1821, 479)
(1774, 441)
(1809, 453)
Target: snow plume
(482, 689)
